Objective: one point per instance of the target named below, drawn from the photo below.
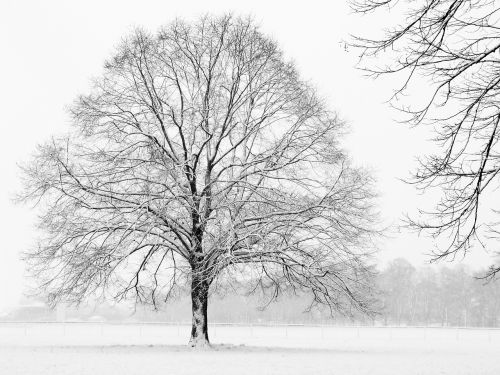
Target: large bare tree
(201, 156)
(448, 49)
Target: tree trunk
(199, 301)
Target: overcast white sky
(50, 50)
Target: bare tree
(201, 156)
(451, 47)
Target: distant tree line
(444, 297)
(407, 296)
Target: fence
(297, 335)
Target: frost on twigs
(200, 155)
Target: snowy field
(108, 349)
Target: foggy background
(50, 52)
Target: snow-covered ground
(83, 348)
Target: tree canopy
(198, 156)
